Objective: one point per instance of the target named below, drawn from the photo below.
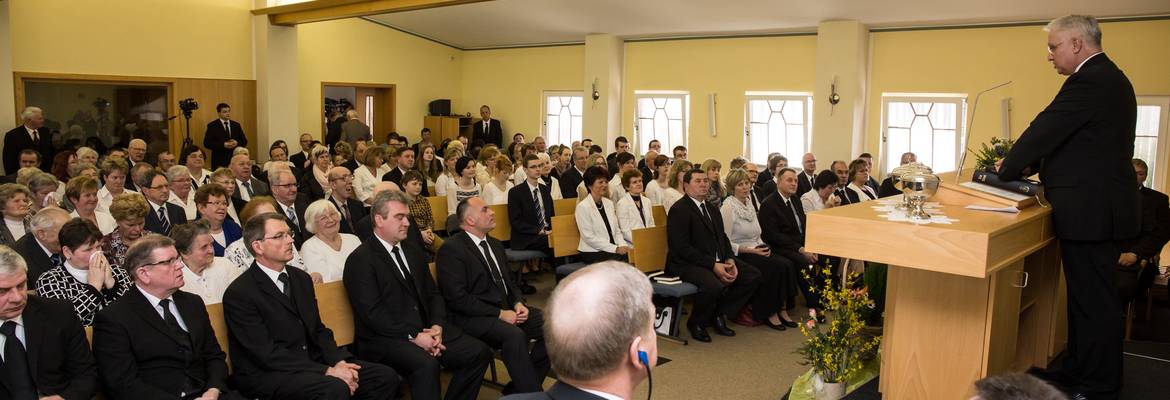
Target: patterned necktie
(248, 187)
(292, 215)
(162, 216)
(539, 208)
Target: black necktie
(16, 364)
(539, 208)
(755, 205)
(410, 285)
(162, 216)
(173, 323)
(497, 275)
(287, 289)
(227, 128)
(638, 203)
(711, 223)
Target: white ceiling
(504, 23)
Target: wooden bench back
(503, 229)
(649, 253)
(333, 305)
(439, 212)
(564, 206)
(564, 237)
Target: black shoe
(527, 289)
(699, 333)
(721, 327)
(779, 327)
(508, 389)
(789, 323)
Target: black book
(1023, 186)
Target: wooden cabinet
(447, 127)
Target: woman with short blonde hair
(129, 211)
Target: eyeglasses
(1052, 47)
(285, 185)
(217, 203)
(344, 178)
(159, 187)
(170, 261)
(278, 236)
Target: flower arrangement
(991, 152)
(836, 349)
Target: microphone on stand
(970, 123)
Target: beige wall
(512, 83)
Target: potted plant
(991, 152)
(837, 349)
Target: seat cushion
(679, 290)
(522, 255)
(565, 270)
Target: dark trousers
(527, 368)
(1093, 360)
(714, 297)
(591, 257)
(806, 285)
(375, 382)
(776, 284)
(466, 356)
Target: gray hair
(254, 229)
(30, 112)
(379, 205)
(241, 150)
(177, 172)
(11, 263)
(1084, 26)
(41, 180)
(316, 209)
(274, 175)
(48, 218)
(593, 316)
(139, 254)
(85, 150)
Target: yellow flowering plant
(836, 348)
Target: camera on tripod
(188, 105)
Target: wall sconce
(596, 93)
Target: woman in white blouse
(238, 255)
(449, 173)
(546, 176)
(194, 158)
(181, 193)
(369, 174)
(601, 236)
(114, 172)
(656, 186)
(634, 211)
(821, 197)
(673, 192)
(203, 273)
(777, 275)
(82, 192)
(326, 251)
(496, 191)
(464, 186)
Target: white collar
(1086, 60)
(698, 203)
(80, 275)
(19, 320)
(30, 130)
(476, 239)
(153, 300)
(155, 206)
(274, 275)
(532, 186)
(241, 183)
(601, 394)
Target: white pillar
(275, 53)
(604, 61)
(842, 56)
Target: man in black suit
(157, 342)
(247, 186)
(487, 130)
(782, 221)
(405, 156)
(807, 175)
(766, 182)
(1155, 232)
(45, 354)
(1093, 117)
(484, 300)
(341, 196)
(620, 145)
(162, 215)
(222, 136)
(28, 158)
(292, 206)
(699, 253)
(279, 347)
(530, 209)
(575, 174)
(399, 316)
(29, 135)
(598, 344)
(888, 188)
(300, 160)
(40, 247)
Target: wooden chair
(564, 206)
(434, 272)
(219, 325)
(503, 229)
(336, 313)
(438, 211)
(659, 213)
(564, 240)
(89, 335)
(649, 255)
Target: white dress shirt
(275, 277)
(205, 177)
(321, 258)
(105, 198)
(105, 222)
(243, 191)
(154, 303)
(628, 216)
(19, 320)
(592, 228)
(212, 282)
(188, 204)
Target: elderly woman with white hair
(44, 187)
(315, 182)
(326, 251)
(180, 188)
(87, 155)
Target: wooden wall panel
(240, 94)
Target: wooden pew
(564, 206)
(659, 213)
(219, 325)
(336, 313)
(439, 212)
(503, 229)
(649, 252)
(564, 240)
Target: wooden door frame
(392, 107)
(20, 78)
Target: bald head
(385, 186)
(809, 163)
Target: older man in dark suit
(162, 215)
(700, 253)
(575, 174)
(485, 301)
(43, 347)
(782, 222)
(40, 247)
(279, 347)
(157, 342)
(223, 135)
(31, 134)
(1093, 117)
(487, 130)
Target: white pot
(828, 390)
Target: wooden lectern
(981, 296)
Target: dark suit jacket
(803, 184)
(300, 234)
(141, 358)
(766, 189)
(524, 219)
(38, 262)
(1093, 117)
(357, 211)
(466, 283)
(298, 160)
(259, 188)
(569, 181)
(310, 188)
(888, 189)
(17, 140)
(175, 214)
(395, 175)
(494, 133)
(779, 229)
(58, 353)
(214, 137)
(385, 308)
(269, 333)
(693, 241)
(1155, 226)
(559, 391)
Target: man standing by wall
(30, 135)
(222, 136)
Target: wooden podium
(981, 296)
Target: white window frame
(544, 115)
(1162, 155)
(960, 101)
(643, 144)
(777, 96)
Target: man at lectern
(1092, 117)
